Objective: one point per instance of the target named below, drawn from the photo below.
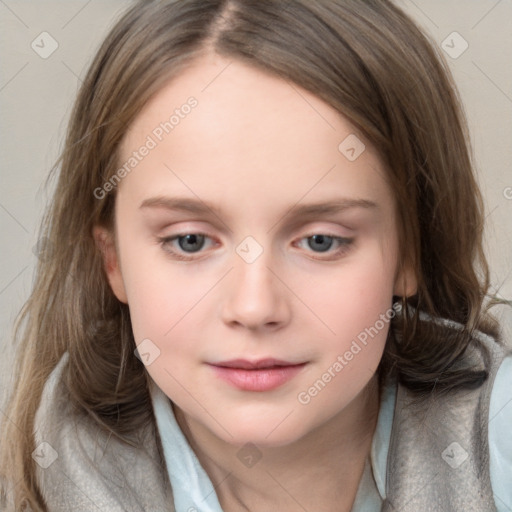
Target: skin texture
(256, 147)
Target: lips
(244, 364)
(261, 375)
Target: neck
(329, 459)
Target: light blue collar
(192, 488)
(382, 436)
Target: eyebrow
(305, 210)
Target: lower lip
(264, 379)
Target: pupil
(324, 241)
(188, 242)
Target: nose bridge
(253, 278)
(255, 296)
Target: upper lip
(252, 365)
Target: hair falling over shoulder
(369, 61)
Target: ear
(104, 240)
(406, 282)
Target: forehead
(250, 137)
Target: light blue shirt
(194, 491)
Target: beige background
(36, 96)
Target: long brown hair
(367, 60)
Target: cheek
(165, 309)
(163, 299)
(351, 297)
(156, 296)
(356, 307)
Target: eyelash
(345, 245)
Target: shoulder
(500, 440)
(439, 449)
(80, 467)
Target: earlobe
(105, 242)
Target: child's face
(256, 149)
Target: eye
(188, 243)
(192, 243)
(322, 243)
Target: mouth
(260, 375)
(244, 364)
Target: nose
(255, 296)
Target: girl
(267, 283)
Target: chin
(262, 434)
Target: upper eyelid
(309, 234)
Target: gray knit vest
(438, 456)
